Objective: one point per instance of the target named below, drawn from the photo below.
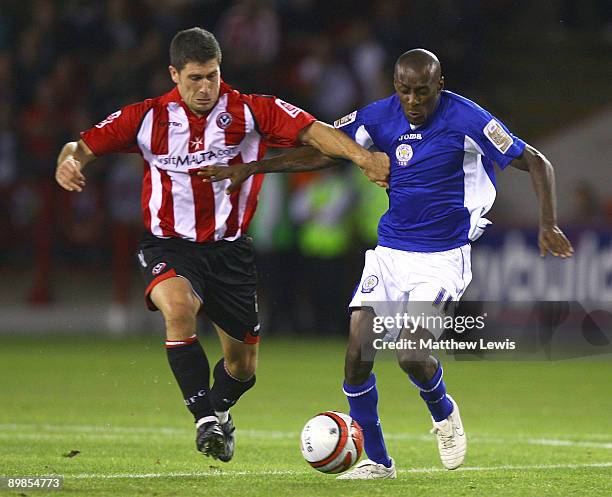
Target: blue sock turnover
(433, 392)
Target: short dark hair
(193, 45)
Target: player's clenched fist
(237, 174)
(68, 174)
(377, 168)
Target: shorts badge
(369, 284)
(403, 153)
(158, 268)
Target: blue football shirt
(442, 180)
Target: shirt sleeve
(116, 133)
(278, 121)
(352, 125)
(493, 139)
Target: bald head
(419, 61)
(418, 83)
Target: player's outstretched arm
(328, 147)
(70, 163)
(298, 160)
(550, 238)
(335, 143)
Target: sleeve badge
(290, 109)
(348, 119)
(498, 136)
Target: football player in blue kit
(442, 149)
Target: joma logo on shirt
(410, 136)
(195, 159)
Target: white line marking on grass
(174, 474)
(567, 443)
(510, 467)
(72, 436)
(112, 431)
(93, 428)
(510, 440)
(536, 467)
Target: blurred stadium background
(66, 260)
(67, 264)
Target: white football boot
(452, 442)
(369, 470)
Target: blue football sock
(363, 400)
(433, 392)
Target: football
(331, 442)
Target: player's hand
(551, 239)
(69, 176)
(236, 173)
(377, 168)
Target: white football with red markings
(331, 442)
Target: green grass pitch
(540, 428)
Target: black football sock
(227, 390)
(192, 372)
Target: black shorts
(222, 274)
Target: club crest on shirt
(224, 120)
(348, 119)
(369, 284)
(498, 136)
(158, 268)
(403, 154)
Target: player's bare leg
(418, 362)
(240, 357)
(234, 374)
(360, 352)
(174, 297)
(360, 390)
(178, 304)
(426, 373)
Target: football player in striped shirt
(194, 254)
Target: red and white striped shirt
(175, 143)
